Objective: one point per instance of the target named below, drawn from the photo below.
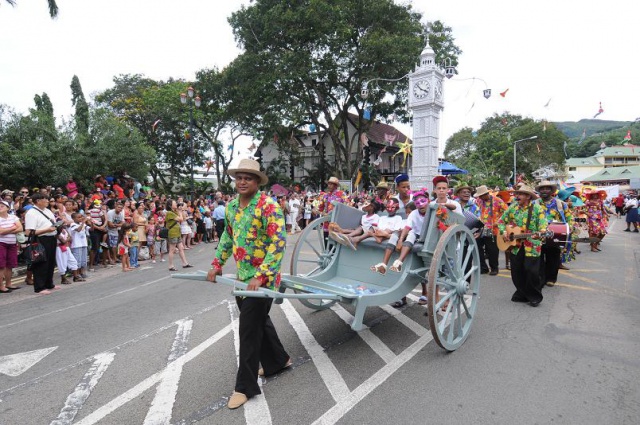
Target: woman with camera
(40, 224)
(173, 220)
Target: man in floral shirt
(525, 259)
(555, 211)
(255, 235)
(490, 210)
(327, 198)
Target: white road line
(162, 406)
(411, 324)
(338, 411)
(143, 386)
(76, 399)
(328, 372)
(27, 319)
(256, 411)
(376, 344)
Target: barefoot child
(388, 225)
(123, 247)
(368, 222)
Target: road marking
(143, 386)
(411, 324)
(162, 406)
(345, 404)
(376, 344)
(256, 411)
(81, 304)
(327, 370)
(17, 364)
(83, 390)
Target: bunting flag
(208, 163)
(628, 136)
(584, 136)
(366, 114)
(472, 105)
(187, 135)
(358, 178)
(155, 125)
(504, 93)
(600, 110)
(364, 140)
(390, 138)
(405, 150)
(546, 105)
(504, 121)
(252, 147)
(486, 93)
(230, 148)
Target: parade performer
(597, 217)
(382, 192)
(328, 198)
(441, 189)
(525, 259)
(555, 211)
(255, 235)
(491, 209)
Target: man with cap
(555, 211)
(441, 189)
(491, 209)
(403, 187)
(255, 235)
(525, 259)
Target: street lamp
(187, 99)
(514, 156)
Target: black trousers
(259, 343)
(488, 251)
(524, 274)
(549, 264)
(219, 228)
(43, 272)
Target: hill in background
(573, 130)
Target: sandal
(399, 304)
(173, 269)
(396, 267)
(379, 268)
(422, 300)
(349, 242)
(187, 266)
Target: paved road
(105, 352)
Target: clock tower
(426, 103)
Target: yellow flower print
(258, 253)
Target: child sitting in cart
(368, 222)
(388, 225)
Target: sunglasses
(25, 192)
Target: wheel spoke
(473, 269)
(444, 299)
(313, 271)
(314, 248)
(466, 308)
(445, 316)
(452, 322)
(467, 258)
(458, 318)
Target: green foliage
(82, 108)
(488, 153)
(305, 62)
(611, 133)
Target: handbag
(163, 233)
(34, 253)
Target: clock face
(439, 90)
(421, 89)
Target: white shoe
(163, 260)
(153, 261)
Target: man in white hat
(555, 211)
(525, 259)
(258, 252)
(491, 209)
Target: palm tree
(53, 7)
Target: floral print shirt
(256, 237)
(491, 211)
(556, 210)
(326, 203)
(517, 216)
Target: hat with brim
(481, 190)
(526, 190)
(382, 185)
(459, 188)
(249, 166)
(7, 192)
(5, 203)
(333, 180)
(565, 193)
(576, 202)
(602, 194)
(547, 183)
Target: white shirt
(35, 219)
(402, 204)
(115, 219)
(457, 204)
(78, 237)
(7, 223)
(390, 223)
(631, 203)
(415, 221)
(369, 221)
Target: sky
(567, 54)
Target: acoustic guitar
(516, 236)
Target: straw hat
(547, 183)
(463, 186)
(333, 180)
(249, 166)
(527, 190)
(481, 190)
(382, 185)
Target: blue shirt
(218, 212)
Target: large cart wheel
(311, 255)
(454, 283)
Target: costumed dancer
(597, 218)
(525, 259)
(491, 209)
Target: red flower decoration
(240, 253)
(272, 228)
(269, 209)
(261, 201)
(256, 262)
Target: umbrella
(447, 168)
(278, 190)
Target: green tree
(305, 62)
(82, 108)
(53, 7)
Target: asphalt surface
(113, 343)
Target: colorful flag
(486, 93)
(358, 178)
(600, 110)
(548, 102)
(504, 93)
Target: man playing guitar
(525, 258)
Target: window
(572, 168)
